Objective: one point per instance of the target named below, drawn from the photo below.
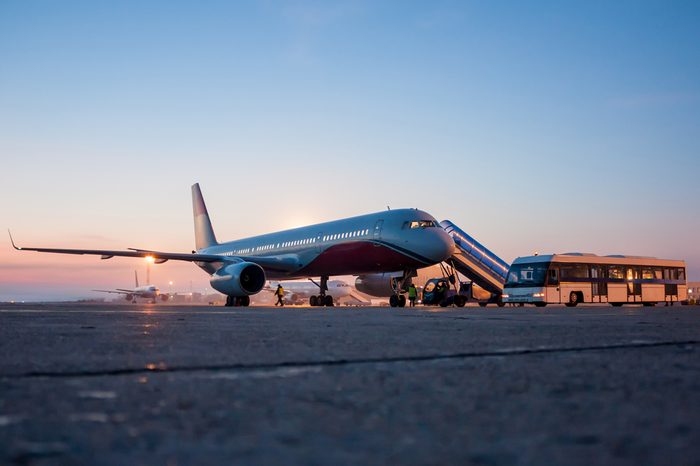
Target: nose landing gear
(398, 299)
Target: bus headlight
(538, 295)
(505, 296)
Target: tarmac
(159, 384)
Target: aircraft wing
(285, 263)
(114, 291)
(160, 257)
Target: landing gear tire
(328, 300)
(229, 301)
(402, 301)
(394, 300)
(244, 301)
(313, 301)
(573, 299)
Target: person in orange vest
(279, 292)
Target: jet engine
(378, 284)
(240, 279)
(129, 297)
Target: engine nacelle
(129, 297)
(379, 285)
(241, 279)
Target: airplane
(298, 292)
(150, 292)
(388, 241)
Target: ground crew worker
(279, 292)
(412, 294)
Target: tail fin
(203, 232)
(136, 278)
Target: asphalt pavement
(153, 384)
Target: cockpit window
(421, 224)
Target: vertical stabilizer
(203, 232)
(136, 278)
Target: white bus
(574, 278)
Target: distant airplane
(301, 292)
(150, 292)
(388, 241)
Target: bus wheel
(573, 299)
(648, 304)
(616, 304)
(540, 304)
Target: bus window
(553, 277)
(647, 274)
(615, 271)
(681, 274)
(573, 271)
(527, 274)
(658, 273)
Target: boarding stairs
(475, 262)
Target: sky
(547, 126)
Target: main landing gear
(398, 299)
(235, 301)
(322, 299)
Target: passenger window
(574, 271)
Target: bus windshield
(521, 275)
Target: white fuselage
(392, 240)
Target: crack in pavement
(162, 368)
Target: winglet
(13, 241)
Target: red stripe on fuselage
(358, 257)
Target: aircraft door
(319, 239)
(377, 234)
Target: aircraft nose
(442, 246)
